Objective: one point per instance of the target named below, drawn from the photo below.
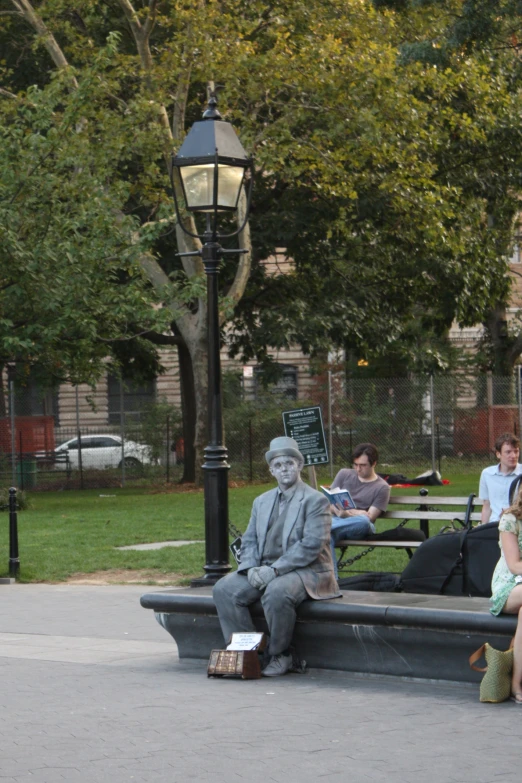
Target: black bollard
(424, 523)
(14, 560)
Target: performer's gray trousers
(233, 594)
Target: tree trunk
(3, 404)
(201, 435)
(188, 410)
(194, 383)
(502, 358)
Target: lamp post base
(208, 580)
(215, 481)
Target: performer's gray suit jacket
(306, 540)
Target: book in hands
(338, 497)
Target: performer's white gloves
(260, 576)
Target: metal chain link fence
(446, 423)
(37, 452)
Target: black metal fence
(444, 423)
(91, 458)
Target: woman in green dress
(506, 585)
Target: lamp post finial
(212, 112)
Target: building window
(136, 396)
(286, 386)
(516, 255)
(32, 399)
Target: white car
(100, 452)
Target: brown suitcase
(237, 663)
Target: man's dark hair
(366, 448)
(509, 438)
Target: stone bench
(375, 633)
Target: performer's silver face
(285, 470)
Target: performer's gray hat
(283, 447)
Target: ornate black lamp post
(212, 166)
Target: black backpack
(455, 563)
(481, 554)
(378, 581)
(513, 487)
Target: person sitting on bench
(506, 587)
(369, 492)
(285, 558)
(496, 480)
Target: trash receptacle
(26, 474)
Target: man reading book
(370, 494)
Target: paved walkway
(91, 691)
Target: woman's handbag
(496, 683)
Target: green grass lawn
(65, 534)
(69, 533)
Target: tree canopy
(387, 142)
(70, 277)
(397, 178)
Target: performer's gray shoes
(279, 664)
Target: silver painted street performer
(285, 557)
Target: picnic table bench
(427, 508)
(48, 459)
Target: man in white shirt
(496, 480)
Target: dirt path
(118, 576)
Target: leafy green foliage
(154, 420)
(69, 271)
(396, 186)
(387, 141)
